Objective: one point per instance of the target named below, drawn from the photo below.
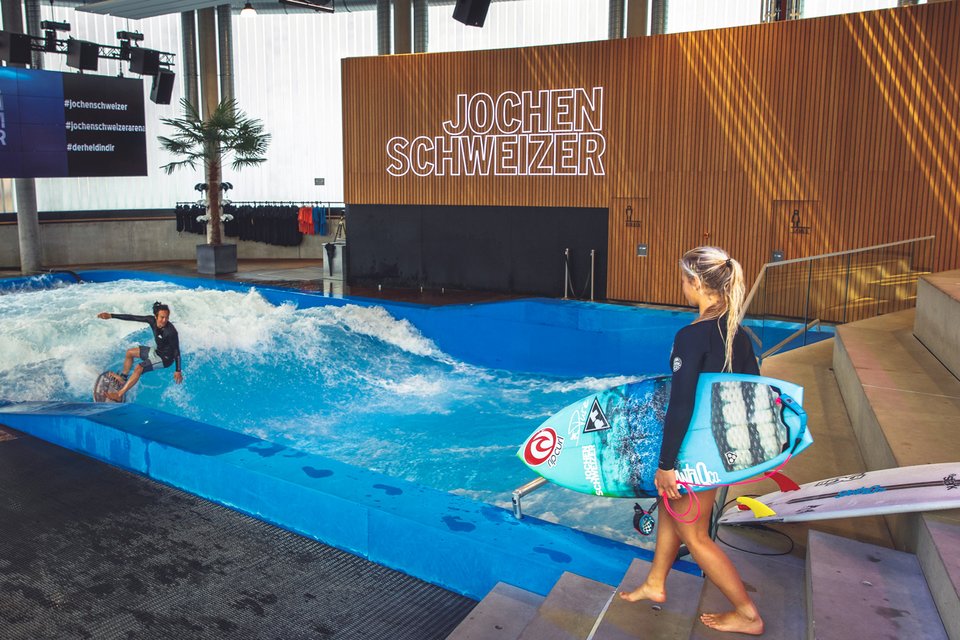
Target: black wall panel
(507, 249)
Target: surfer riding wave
(165, 353)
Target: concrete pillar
(188, 58)
(207, 37)
(616, 20)
(421, 26)
(401, 26)
(28, 222)
(209, 99)
(225, 47)
(28, 225)
(384, 41)
(637, 18)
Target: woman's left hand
(666, 483)
(177, 377)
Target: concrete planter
(214, 259)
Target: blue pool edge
(445, 539)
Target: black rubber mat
(91, 551)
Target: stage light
(248, 11)
(54, 26)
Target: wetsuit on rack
(698, 348)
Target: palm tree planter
(195, 140)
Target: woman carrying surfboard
(713, 282)
(166, 352)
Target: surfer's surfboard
(107, 381)
(608, 443)
(924, 487)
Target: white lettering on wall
(543, 133)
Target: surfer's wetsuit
(698, 348)
(167, 339)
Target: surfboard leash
(695, 500)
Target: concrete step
(938, 308)
(570, 610)
(938, 550)
(859, 590)
(673, 620)
(501, 615)
(774, 582)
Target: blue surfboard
(608, 443)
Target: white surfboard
(107, 381)
(924, 487)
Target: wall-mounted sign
(70, 125)
(530, 133)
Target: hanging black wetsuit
(698, 348)
(167, 339)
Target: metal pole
(566, 272)
(593, 253)
(806, 303)
(526, 489)
(384, 41)
(421, 26)
(615, 29)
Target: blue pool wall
(448, 540)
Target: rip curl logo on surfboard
(596, 421)
(543, 446)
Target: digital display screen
(70, 125)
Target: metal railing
(833, 288)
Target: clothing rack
(292, 203)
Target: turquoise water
(351, 382)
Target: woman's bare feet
(733, 622)
(645, 592)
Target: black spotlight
(162, 88)
(83, 55)
(471, 12)
(146, 62)
(15, 47)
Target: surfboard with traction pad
(924, 487)
(108, 381)
(608, 443)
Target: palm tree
(227, 131)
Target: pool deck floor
(90, 551)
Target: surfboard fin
(759, 509)
(783, 482)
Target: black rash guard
(698, 348)
(167, 339)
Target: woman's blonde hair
(715, 270)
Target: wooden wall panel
(852, 120)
